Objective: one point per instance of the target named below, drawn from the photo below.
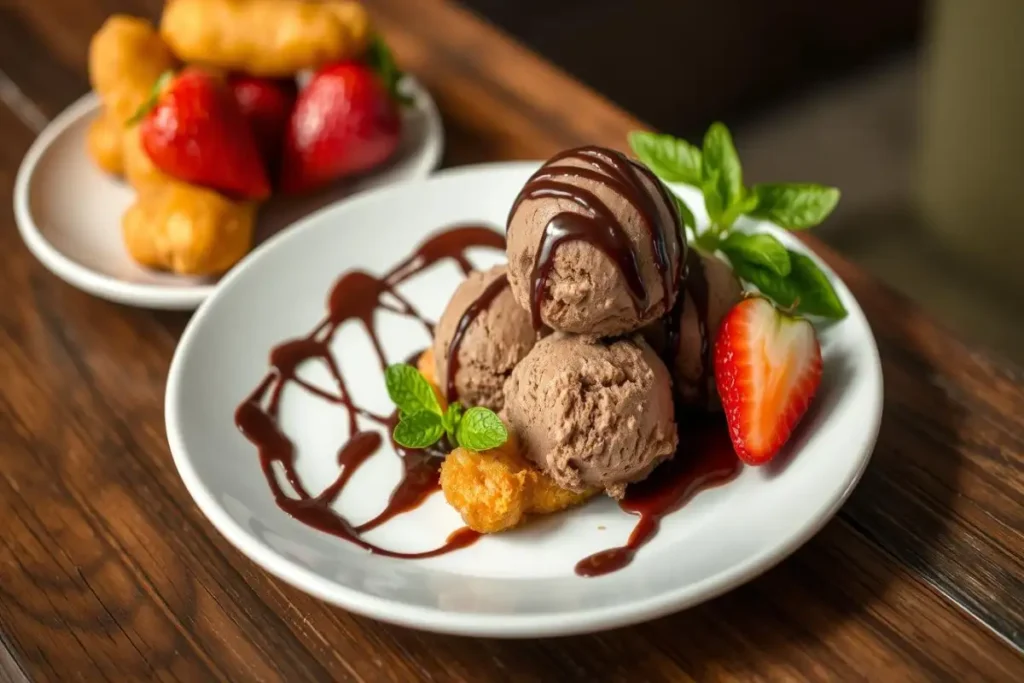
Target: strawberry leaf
(380, 59)
(154, 94)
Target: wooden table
(108, 571)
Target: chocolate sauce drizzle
(705, 459)
(597, 225)
(479, 305)
(357, 296)
(695, 283)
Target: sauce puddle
(707, 461)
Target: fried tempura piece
(425, 364)
(187, 229)
(495, 490)
(103, 142)
(126, 57)
(274, 38)
(139, 169)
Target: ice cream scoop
(594, 244)
(482, 334)
(686, 336)
(592, 413)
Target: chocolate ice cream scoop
(594, 244)
(592, 413)
(686, 336)
(481, 336)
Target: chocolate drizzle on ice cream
(597, 225)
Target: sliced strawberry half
(767, 369)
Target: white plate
(69, 212)
(514, 584)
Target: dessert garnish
(266, 103)
(192, 129)
(767, 368)
(345, 122)
(787, 277)
(422, 423)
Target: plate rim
(150, 295)
(490, 625)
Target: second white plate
(69, 212)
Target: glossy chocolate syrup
(695, 283)
(357, 296)
(705, 458)
(596, 225)
(479, 305)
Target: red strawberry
(345, 122)
(267, 104)
(193, 130)
(767, 369)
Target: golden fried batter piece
(126, 57)
(274, 38)
(495, 490)
(103, 142)
(187, 229)
(425, 364)
(139, 169)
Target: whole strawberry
(346, 122)
(767, 369)
(193, 130)
(267, 104)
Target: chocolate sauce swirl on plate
(596, 225)
(357, 296)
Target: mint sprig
(421, 422)
(789, 278)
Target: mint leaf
(796, 206)
(673, 160)
(776, 287)
(480, 430)
(410, 391)
(745, 205)
(451, 419)
(817, 296)
(806, 286)
(761, 250)
(722, 174)
(714, 203)
(419, 430)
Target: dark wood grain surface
(108, 571)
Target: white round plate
(515, 584)
(69, 212)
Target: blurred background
(914, 108)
